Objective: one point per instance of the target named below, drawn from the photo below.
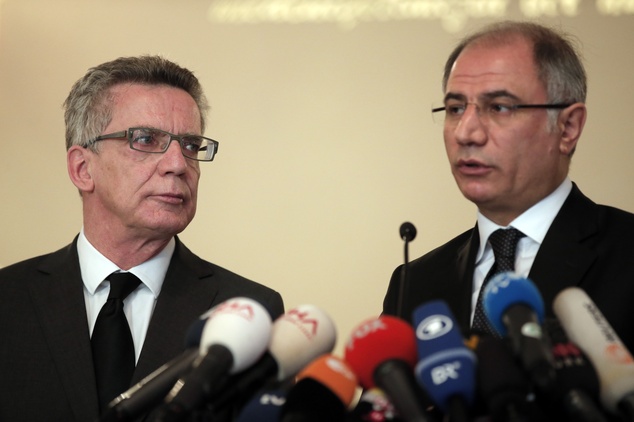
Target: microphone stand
(408, 233)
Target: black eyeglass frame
(127, 134)
(517, 106)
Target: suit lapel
(563, 258)
(185, 295)
(59, 304)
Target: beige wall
(326, 140)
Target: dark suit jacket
(588, 245)
(46, 371)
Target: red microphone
(382, 352)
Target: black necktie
(503, 242)
(112, 345)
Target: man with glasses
(513, 112)
(135, 148)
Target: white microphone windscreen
(299, 336)
(587, 327)
(243, 326)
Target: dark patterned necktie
(504, 243)
(112, 344)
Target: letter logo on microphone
(300, 319)
(433, 327)
(532, 329)
(447, 371)
(272, 399)
(339, 367)
(237, 307)
(501, 282)
(363, 330)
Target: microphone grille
(407, 231)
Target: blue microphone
(515, 308)
(446, 366)
(266, 406)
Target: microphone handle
(129, 405)
(245, 384)
(529, 345)
(458, 409)
(191, 392)
(396, 379)
(403, 287)
(580, 407)
(626, 407)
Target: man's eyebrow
(497, 94)
(484, 96)
(454, 96)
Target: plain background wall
(326, 138)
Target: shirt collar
(95, 267)
(534, 222)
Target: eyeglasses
(156, 141)
(497, 111)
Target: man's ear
(78, 161)
(570, 123)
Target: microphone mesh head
(507, 289)
(376, 341)
(407, 231)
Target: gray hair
(87, 109)
(558, 63)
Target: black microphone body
(502, 384)
(245, 384)
(408, 233)
(211, 372)
(577, 383)
(396, 378)
(311, 401)
(150, 391)
(532, 349)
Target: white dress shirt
(534, 223)
(139, 305)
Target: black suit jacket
(588, 245)
(46, 370)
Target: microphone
(408, 233)
(297, 337)
(148, 393)
(503, 385)
(577, 382)
(382, 353)
(515, 308)
(587, 327)
(446, 366)
(265, 407)
(234, 337)
(373, 405)
(323, 392)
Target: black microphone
(408, 233)
(503, 386)
(150, 391)
(577, 383)
(515, 308)
(374, 405)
